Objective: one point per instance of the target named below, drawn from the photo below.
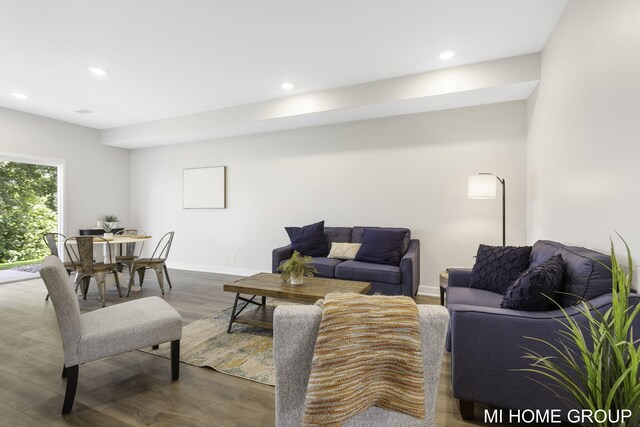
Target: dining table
(113, 241)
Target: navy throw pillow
(308, 240)
(497, 267)
(381, 246)
(529, 290)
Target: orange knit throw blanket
(368, 353)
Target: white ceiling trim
(477, 84)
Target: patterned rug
(247, 352)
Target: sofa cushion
(586, 271)
(337, 234)
(357, 235)
(471, 296)
(381, 246)
(497, 267)
(308, 240)
(368, 272)
(344, 250)
(533, 288)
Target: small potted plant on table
(294, 269)
(110, 222)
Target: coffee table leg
(264, 300)
(233, 313)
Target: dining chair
(157, 263)
(145, 322)
(80, 252)
(52, 240)
(130, 254)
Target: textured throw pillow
(381, 246)
(344, 250)
(497, 267)
(529, 290)
(308, 240)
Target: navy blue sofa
(387, 279)
(486, 341)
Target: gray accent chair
(295, 329)
(487, 342)
(403, 279)
(121, 328)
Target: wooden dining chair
(130, 254)
(52, 241)
(157, 263)
(80, 252)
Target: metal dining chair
(157, 263)
(80, 252)
(52, 241)
(129, 254)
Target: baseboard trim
(429, 291)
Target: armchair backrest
(65, 303)
(586, 271)
(295, 329)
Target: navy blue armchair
(487, 343)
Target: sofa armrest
(410, 269)
(487, 349)
(278, 255)
(459, 277)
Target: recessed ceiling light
(83, 111)
(447, 54)
(286, 85)
(98, 71)
(19, 95)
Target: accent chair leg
(72, 385)
(466, 409)
(64, 371)
(166, 273)
(175, 360)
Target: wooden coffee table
(271, 285)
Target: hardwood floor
(134, 388)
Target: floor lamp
(483, 186)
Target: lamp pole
(504, 223)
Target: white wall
(584, 128)
(97, 177)
(408, 171)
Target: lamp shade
(482, 186)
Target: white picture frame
(204, 188)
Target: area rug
(247, 352)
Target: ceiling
(172, 58)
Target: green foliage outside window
(28, 209)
